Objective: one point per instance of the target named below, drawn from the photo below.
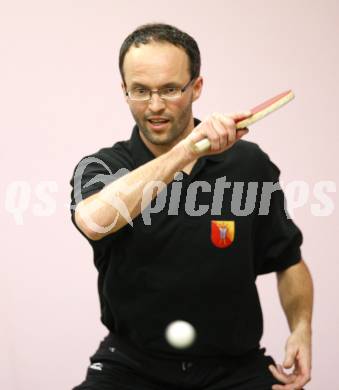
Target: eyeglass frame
(151, 91)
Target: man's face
(153, 66)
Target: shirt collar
(141, 154)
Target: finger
(295, 385)
(218, 125)
(228, 127)
(304, 373)
(198, 134)
(281, 376)
(294, 382)
(300, 382)
(212, 135)
(290, 356)
(223, 126)
(285, 387)
(280, 368)
(237, 116)
(303, 363)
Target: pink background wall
(60, 99)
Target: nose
(156, 103)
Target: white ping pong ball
(180, 334)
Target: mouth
(158, 124)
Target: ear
(197, 88)
(124, 90)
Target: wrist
(185, 152)
(304, 326)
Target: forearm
(295, 289)
(130, 189)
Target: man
(151, 208)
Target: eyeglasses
(167, 93)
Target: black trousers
(112, 369)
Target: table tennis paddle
(258, 113)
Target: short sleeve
(92, 174)
(277, 239)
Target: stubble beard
(173, 133)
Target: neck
(158, 150)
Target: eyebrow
(170, 84)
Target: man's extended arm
(105, 209)
(102, 208)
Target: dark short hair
(160, 32)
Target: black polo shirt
(198, 268)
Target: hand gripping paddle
(258, 113)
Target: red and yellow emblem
(222, 233)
